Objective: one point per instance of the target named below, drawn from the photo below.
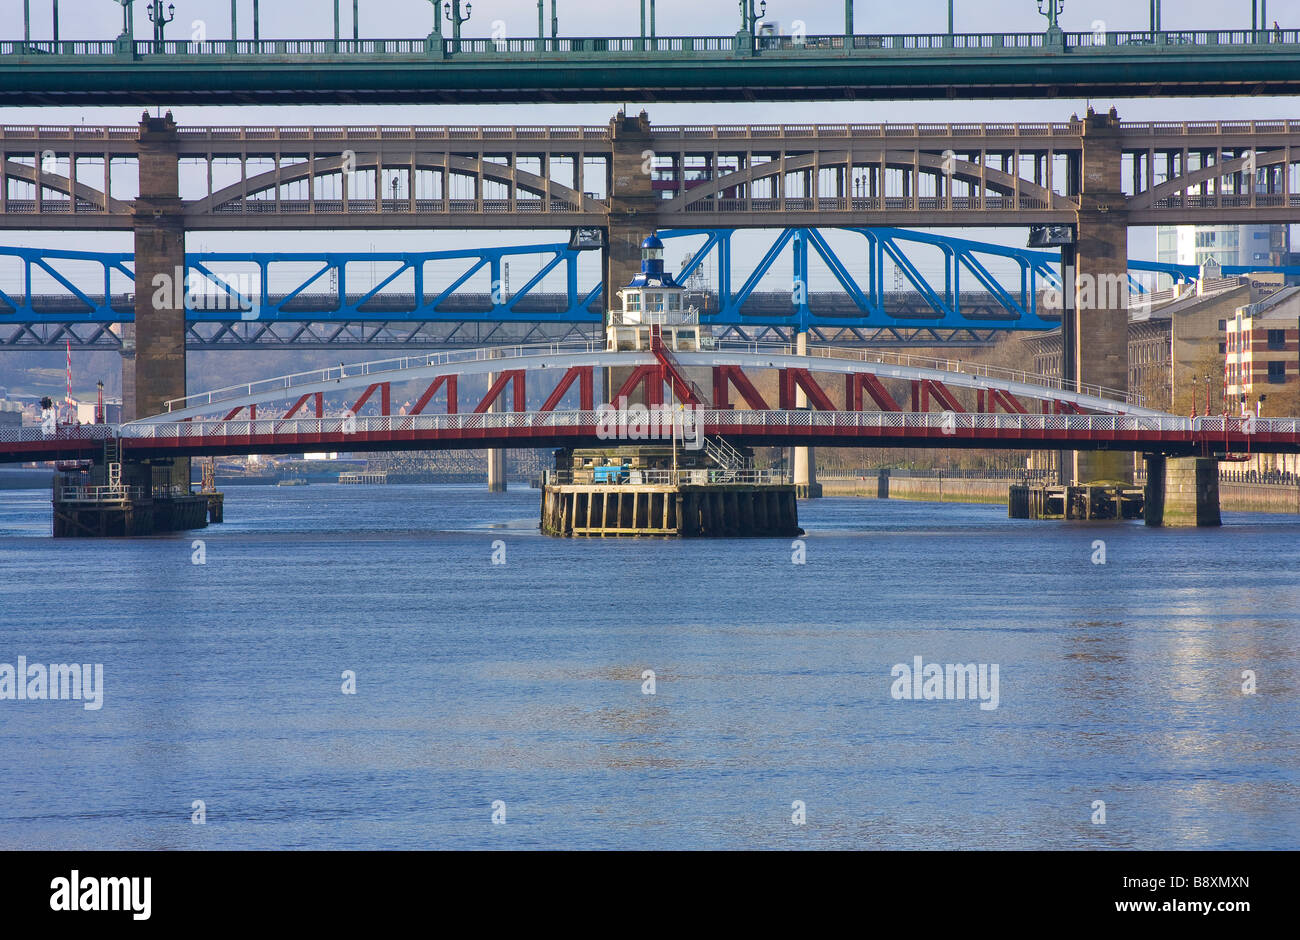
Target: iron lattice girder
(208, 337)
(239, 303)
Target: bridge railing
(833, 44)
(667, 477)
(589, 423)
(723, 422)
(378, 369)
(64, 432)
(886, 357)
(99, 494)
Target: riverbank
(1233, 497)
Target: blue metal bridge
(888, 286)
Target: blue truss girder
(1037, 269)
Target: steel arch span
(548, 373)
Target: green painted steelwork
(671, 68)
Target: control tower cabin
(653, 298)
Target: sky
(101, 19)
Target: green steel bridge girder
(78, 72)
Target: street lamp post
(159, 18)
(748, 18)
(128, 21)
(451, 9)
(1054, 8)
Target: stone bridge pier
(1182, 492)
(155, 370)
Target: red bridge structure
(885, 400)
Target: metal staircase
(113, 463)
(730, 461)
(685, 390)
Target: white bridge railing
(99, 494)
(886, 357)
(605, 424)
(613, 425)
(380, 369)
(392, 369)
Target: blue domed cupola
(652, 257)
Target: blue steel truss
(323, 296)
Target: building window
(1277, 339)
(1223, 348)
(1223, 326)
(1276, 373)
(632, 303)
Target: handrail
(382, 367)
(1208, 430)
(460, 132)
(717, 421)
(868, 44)
(377, 368)
(666, 477)
(887, 357)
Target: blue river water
(523, 682)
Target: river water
(773, 697)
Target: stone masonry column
(496, 457)
(156, 373)
(805, 458)
(1100, 335)
(1192, 492)
(633, 215)
(1153, 499)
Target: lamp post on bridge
(651, 34)
(451, 9)
(159, 18)
(1053, 9)
(746, 42)
(128, 23)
